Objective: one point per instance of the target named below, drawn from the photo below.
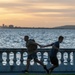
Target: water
(13, 38)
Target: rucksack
(31, 45)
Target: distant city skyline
(37, 13)
(4, 26)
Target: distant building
(3, 26)
(11, 26)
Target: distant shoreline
(59, 27)
(37, 28)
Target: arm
(55, 47)
(48, 45)
(37, 44)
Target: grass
(45, 74)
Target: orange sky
(37, 13)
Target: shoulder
(31, 40)
(56, 43)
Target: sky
(37, 13)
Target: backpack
(31, 45)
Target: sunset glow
(37, 13)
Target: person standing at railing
(32, 49)
(53, 53)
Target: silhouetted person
(53, 53)
(32, 49)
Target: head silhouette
(60, 39)
(26, 38)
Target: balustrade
(15, 60)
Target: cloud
(33, 9)
(8, 1)
(21, 7)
